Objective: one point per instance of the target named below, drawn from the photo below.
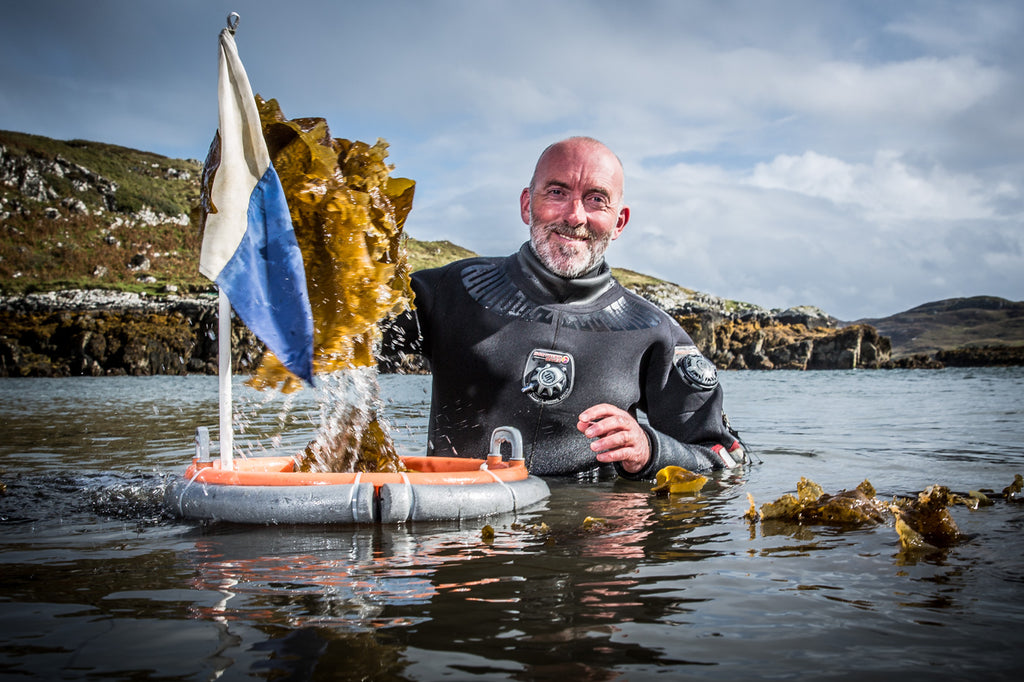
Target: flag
(249, 246)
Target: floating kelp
(925, 523)
(1015, 491)
(812, 505)
(538, 529)
(673, 480)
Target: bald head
(578, 146)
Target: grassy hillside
(87, 214)
(434, 254)
(142, 178)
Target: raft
(268, 490)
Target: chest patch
(548, 376)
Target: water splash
(352, 434)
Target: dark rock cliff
(76, 333)
(751, 337)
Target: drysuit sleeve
(686, 425)
(409, 333)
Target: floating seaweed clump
(925, 522)
(1015, 491)
(812, 505)
(922, 523)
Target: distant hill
(975, 322)
(92, 215)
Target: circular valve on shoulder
(698, 372)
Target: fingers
(601, 411)
(617, 436)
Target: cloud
(855, 239)
(887, 191)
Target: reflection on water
(343, 578)
(680, 586)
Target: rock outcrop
(97, 333)
(982, 356)
(736, 336)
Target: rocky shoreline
(103, 333)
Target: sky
(863, 157)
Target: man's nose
(575, 213)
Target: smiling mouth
(572, 235)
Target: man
(547, 341)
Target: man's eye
(597, 201)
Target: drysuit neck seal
(583, 289)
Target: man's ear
(524, 205)
(620, 224)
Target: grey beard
(549, 255)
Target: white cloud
(925, 88)
(886, 191)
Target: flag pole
(249, 245)
(224, 374)
(227, 436)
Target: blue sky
(864, 157)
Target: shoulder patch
(696, 370)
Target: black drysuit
(512, 344)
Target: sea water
(98, 582)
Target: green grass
(425, 254)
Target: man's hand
(619, 436)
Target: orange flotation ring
(270, 490)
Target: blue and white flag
(249, 246)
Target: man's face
(575, 207)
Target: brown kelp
(348, 214)
(922, 521)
